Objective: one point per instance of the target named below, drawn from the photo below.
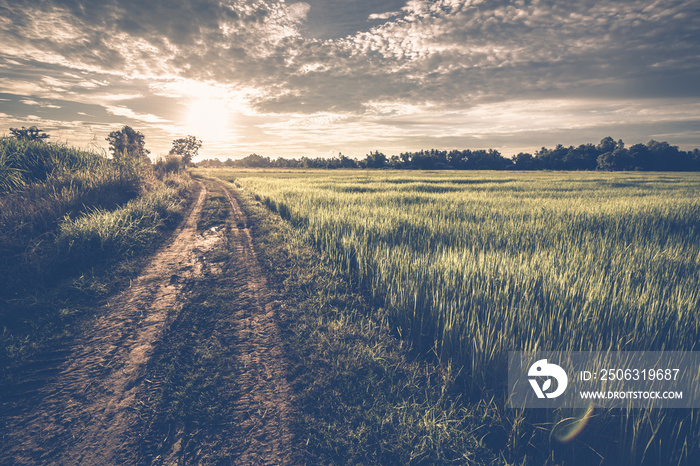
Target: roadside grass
(69, 238)
(366, 396)
(100, 234)
(26, 162)
(30, 218)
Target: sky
(322, 77)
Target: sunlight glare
(207, 119)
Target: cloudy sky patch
(318, 76)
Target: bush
(169, 164)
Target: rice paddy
(472, 265)
(480, 264)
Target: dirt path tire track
(265, 406)
(85, 413)
(82, 414)
(256, 416)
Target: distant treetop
(127, 143)
(187, 148)
(29, 134)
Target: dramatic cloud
(303, 78)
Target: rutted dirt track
(264, 409)
(81, 415)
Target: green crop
(476, 264)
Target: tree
(524, 161)
(607, 144)
(618, 159)
(667, 157)
(29, 134)
(552, 159)
(583, 157)
(641, 157)
(255, 161)
(695, 159)
(127, 143)
(375, 160)
(347, 162)
(186, 148)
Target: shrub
(168, 164)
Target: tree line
(607, 155)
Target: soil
(264, 408)
(86, 395)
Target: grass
(127, 230)
(27, 162)
(31, 215)
(76, 228)
(472, 265)
(403, 293)
(99, 261)
(361, 398)
(364, 398)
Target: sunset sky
(319, 77)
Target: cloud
(404, 68)
(451, 51)
(39, 104)
(120, 110)
(514, 125)
(384, 16)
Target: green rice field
(478, 264)
(472, 265)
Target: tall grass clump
(102, 233)
(473, 265)
(23, 162)
(50, 182)
(47, 189)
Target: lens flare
(567, 429)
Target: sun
(207, 119)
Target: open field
(335, 317)
(480, 264)
(472, 265)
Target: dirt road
(86, 406)
(264, 408)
